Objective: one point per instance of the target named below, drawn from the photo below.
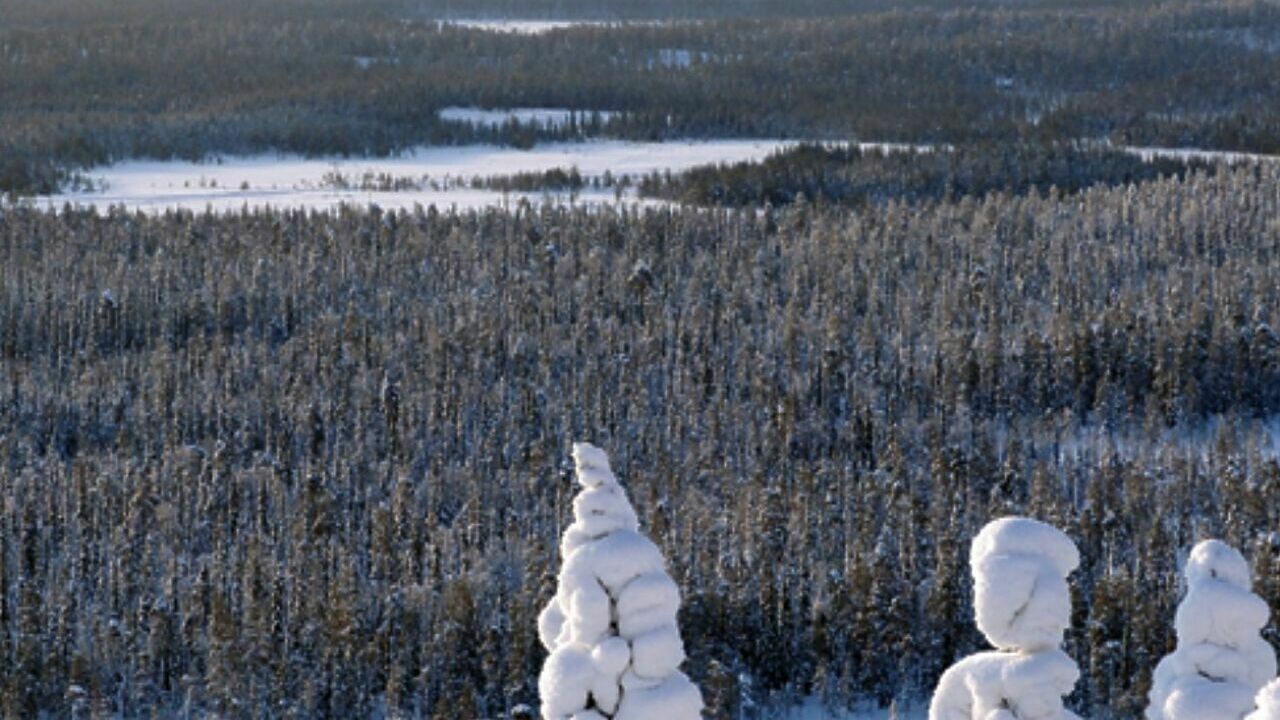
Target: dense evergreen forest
(316, 464)
(850, 175)
(88, 83)
(285, 463)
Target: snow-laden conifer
(611, 627)
(1023, 606)
(1221, 661)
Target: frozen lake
(232, 183)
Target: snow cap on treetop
(592, 465)
(1021, 598)
(1024, 536)
(1216, 560)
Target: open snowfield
(230, 184)
(293, 181)
(539, 27)
(233, 183)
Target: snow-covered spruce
(1023, 606)
(611, 627)
(1221, 661)
(1268, 703)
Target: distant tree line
(849, 175)
(189, 79)
(303, 464)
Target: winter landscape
(640, 359)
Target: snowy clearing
(232, 183)
(291, 181)
(1231, 158)
(554, 118)
(540, 27)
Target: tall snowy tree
(1023, 606)
(611, 627)
(1221, 661)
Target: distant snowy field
(290, 181)
(539, 27)
(230, 184)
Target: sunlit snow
(233, 183)
(293, 181)
(539, 27)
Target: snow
(229, 184)
(541, 27)
(1149, 154)
(1021, 598)
(615, 649)
(541, 117)
(1221, 661)
(1268, 701)
(1022, 605)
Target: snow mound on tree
(1022, 604)
(611, 627)
(1268, 701)
(1020, 570)
(1221, 661)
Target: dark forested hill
(277, 464)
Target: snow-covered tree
(1023, 606)
(1221, 661)
(1268, 701)
(611, 627)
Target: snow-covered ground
(1154, 153)
(232, 183)
(541, 117)
(539, 27)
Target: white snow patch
(1149, 154)
(541, 27)
(1268, 701)
(290, 181)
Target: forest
(286, 463)
(87, 83)
(316, 464)
(854, 176)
